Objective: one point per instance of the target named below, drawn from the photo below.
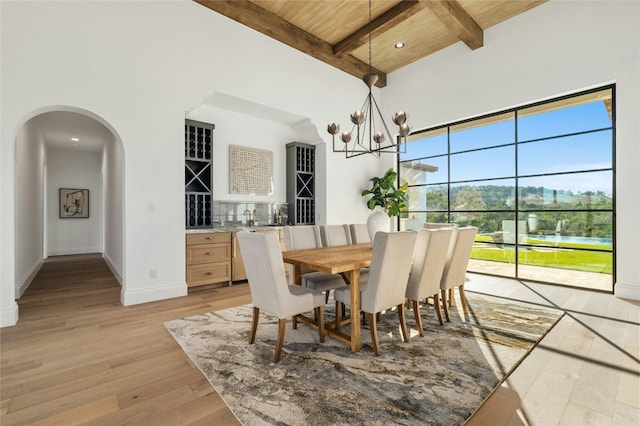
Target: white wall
(113, 195)
(553, 49)
(30, 160)
(140, 76)
(67, 168)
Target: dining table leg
(297, 275)
(354, 278)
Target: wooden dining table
(343, 260)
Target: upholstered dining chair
(438, 225)
(307, 237)
(359, 233)
(301, 237)
(455, 268)
(269, 288)
(429, 257)
(386, 284)
(335, 235)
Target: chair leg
(403, 322)
(254, 325)
(451, 298)
(374, 334)
(463, 300)
(320, 315)
(416, 313)
(338, 315)
(444, 304)
(281, 329)
(436, 305)
(294, 322)
(326, 297)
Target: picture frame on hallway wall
(74, 203)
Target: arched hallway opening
(59, 148)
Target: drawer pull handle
(209, 253)
(208, 273)
(209, 238)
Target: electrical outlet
(153, 273)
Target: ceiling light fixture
(75, 139)
(399, 45)
(372, 134)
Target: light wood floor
(77, 356)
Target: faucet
(247, 217)
(255, 217)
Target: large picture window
(537, 181)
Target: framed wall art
(74, 203)
(251, 170)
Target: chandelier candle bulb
(400, 118)
(404, 130)
(333, 128)
(357, 118)
(378, 137)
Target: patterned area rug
(438, 379)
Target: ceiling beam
(452, 14)
(267, 23)
(389, 19)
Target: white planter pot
(378, 221)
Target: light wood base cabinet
(238, 271)
(237, 265)
(208, 258)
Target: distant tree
(469, 198)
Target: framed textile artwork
(251, 170)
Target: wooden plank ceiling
(337, 31)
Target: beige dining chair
(438, 225)
(359, 233)
(455, 268)
(335, 235)
(386, 284)
(269, 289)
(307, 237)
(429, 257)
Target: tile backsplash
(240, 213)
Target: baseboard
(627, 291)
(9, 316)
(151, 294)
(116, 273)
(77, 250)
(23, 284)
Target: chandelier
(369, 133)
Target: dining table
(344, 260)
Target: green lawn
(557, 256)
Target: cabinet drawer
(208, 253)
(208, 238)
(208, 273)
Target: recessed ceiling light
(399, 45)
(75, 139)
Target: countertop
(235, 228)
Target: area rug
(438, 379)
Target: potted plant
(389, 200)
(385, 195)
